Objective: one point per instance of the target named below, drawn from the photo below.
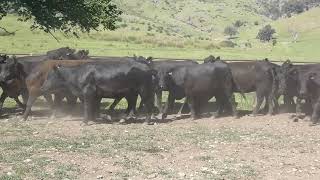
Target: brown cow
(39, 74)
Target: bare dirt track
(264, 147)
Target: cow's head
(54, 81)
(309, 83)
(148, 61)
(211, 59)
(81, 54)
(9, 69)
(61, 53)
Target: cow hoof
(122, 121)
(131, 118)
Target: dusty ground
(264, 147)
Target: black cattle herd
(73, 75)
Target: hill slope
(182, 29)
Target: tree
(230, 31)
(293, 7)
(67, 16)
(266, 33)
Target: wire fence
(180, 59)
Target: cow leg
(132, 103)
(115, 103)
(315, 113)
(260, 98)
(184, 105)
(96, 108)
(287, 102)
(25, 95)
(89, 105)
(2, 99)
(141, 106)
(159, 101)
(270, 100)
(299, 113)
(30, 102)
(233, 104)
(57, 105)
(48, 98)
(72, 101)
(276, 104)
(20, 104)
(221, 104)
(169, 103)
(192, 104)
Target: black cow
(93, 81)
(310, 88)
(259, 77)
(81, 54)
(162, 68)
(14, 72)
(290, 79)
(11, 82)
(203, 81)
(59, 53)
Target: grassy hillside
(179, 29)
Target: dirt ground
(263, 147)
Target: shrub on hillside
(230, 31)
(293, 7)
(266, 33)
(274, 42)
(239, 23)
